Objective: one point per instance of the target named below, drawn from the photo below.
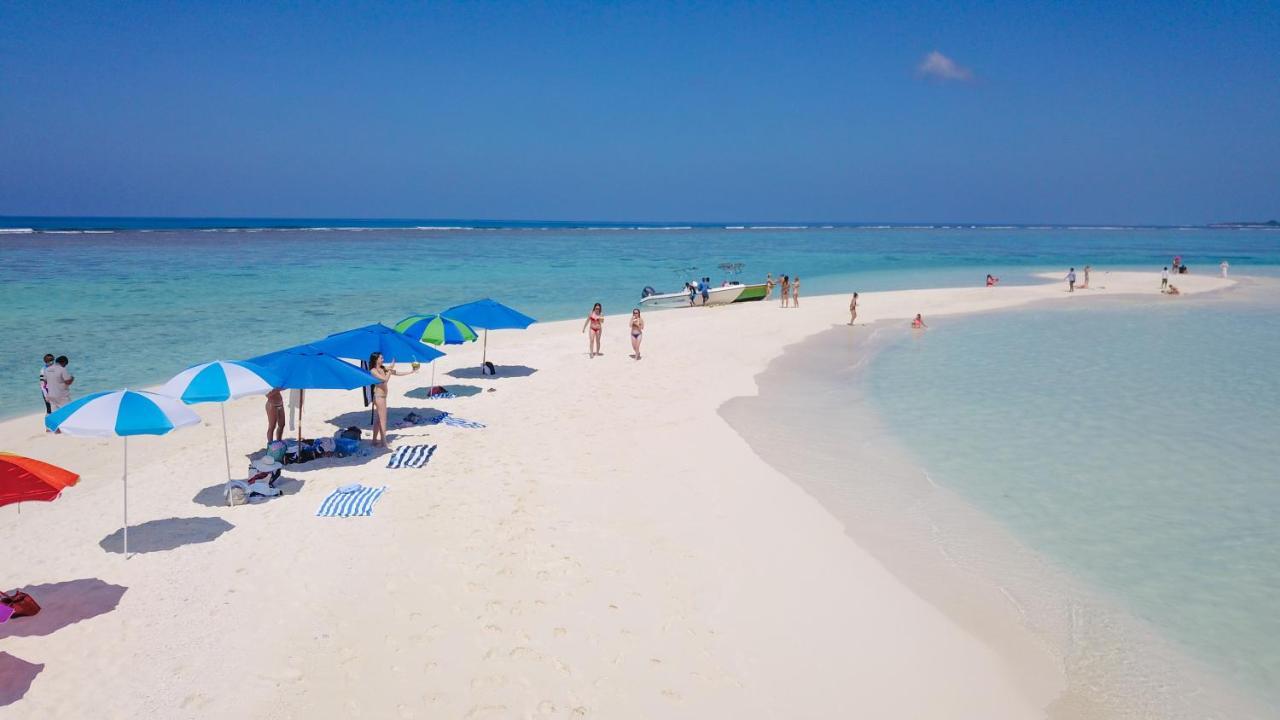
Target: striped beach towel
(351, 504)
(454, 420)
(411, 456)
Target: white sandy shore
(607, 547)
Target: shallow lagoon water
(1132, 445)
(1098, 476)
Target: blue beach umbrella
(360, 343)
(489, 315)
(307, 367)
(220, 381)
(121, 413)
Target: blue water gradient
(135, 306)
(1131, 444)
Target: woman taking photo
(596, 321)
(637, 332)
(383, 373)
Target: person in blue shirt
(704, 286)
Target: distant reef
(1267, 224)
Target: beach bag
(437, 390)
(347, 446)
(488, 369)
(275, 451)
(22, 604)
(236, 494)
(326, 445)
(351, 433)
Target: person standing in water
(384, 375)
(1071, 280)
(795, 291)
(1224, 266)
(853, 309)
(786, 290)
(637, 332)
(275, 416)
(596, 322)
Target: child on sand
(918, 323)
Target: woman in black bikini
(637, 332)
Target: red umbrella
(24, 480)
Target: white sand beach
(606, 546)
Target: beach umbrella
(307, 367)
(220, 381)
(121, 413)
(489, 315)
(360, 343)
(24, 479)
(436, 330)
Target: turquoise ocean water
(133, 301)
(1132, 445)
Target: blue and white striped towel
(351, 504)
(410, 456)
(454, 420)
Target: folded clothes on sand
(411, 456)
(357, 501)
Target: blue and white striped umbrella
(121, 413)
(220, 381)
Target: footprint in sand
(559, 632)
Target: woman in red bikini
(596, 321)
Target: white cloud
(937, 66)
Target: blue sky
(1009, 112)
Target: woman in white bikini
(637, 332)
(596, 321)
(384, 374)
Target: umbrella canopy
(23, 479)
(120, 413)
(220, 381)
(307, 367)
(489, 314)
(360, 343)
(436, 329)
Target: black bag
(488, 369)
(351, 433)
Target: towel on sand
(357, 503)
(411, 456)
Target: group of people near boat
(788, 286)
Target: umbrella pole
(226, 446)
(484, 350)
(126, 497)
(302, 402)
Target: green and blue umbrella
(436, 330)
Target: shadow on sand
(167, 534)
(16, 676)
(213, 496)
(459, 390)
(472, 373)
(360, 418)
(63, 604)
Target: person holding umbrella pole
(384, 374)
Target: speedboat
(723, 295)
